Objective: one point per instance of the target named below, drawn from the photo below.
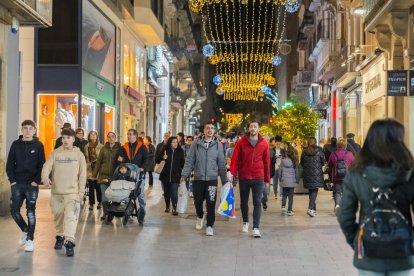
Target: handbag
(160, 166)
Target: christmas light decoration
(208, 50)
(276, 60)
(292, 6)
(219, 91)
(217, 80)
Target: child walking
(68, 168)
(288, 173)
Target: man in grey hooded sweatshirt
(206, 158)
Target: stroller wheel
(109, 218)
(141, 215)
(125, 220)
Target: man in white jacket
(67, 166)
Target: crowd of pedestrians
(253, 161)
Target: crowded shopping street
(207, 137)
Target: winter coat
(357, 196)
(107, 161)
(327, 150)
(159, 149)
(207, 163)
(353, 147)
(137, 156)
(339, 154)
(173, 165)
(273, 160)
(287, 173)
(150, 162)
(90, 164)
(127, 176)
(251, 162)
(25, 161)
(68, 169)
(312, 168)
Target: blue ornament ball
(208, 50)
(292, 6)
(276, 60)
(266, 90)
(217, 80)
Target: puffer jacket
(287, 174)
(312, 165)
(106, 162)
(207, 163)
(357, 196)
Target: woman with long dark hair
(150, 163)
(170, 176)
(91, 151)
(384, 163)
(312, 161)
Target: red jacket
(251, 162)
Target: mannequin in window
(60, 119)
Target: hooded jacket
(357, 196)
(312, 168)
(106, 162)
(173, 165)
(150, 162)
(287, 173)
(25, 161)
(135, 153)
(207, 163)
(251, 162)
(68, 168)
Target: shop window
(53, 111)
(109, 120)
(88, 121)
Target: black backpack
(384, 233)
(340, 166)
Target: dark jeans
(94, 186)
(266, 192)
(20, 193)
(256, 186)
(170, 194)
(150, 177)
(205, 190)
(288, 193)
(313, 194)
(338, 188)
(188, 184)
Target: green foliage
(297, 122)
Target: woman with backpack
(289, 178)
(170, 176)
(339, 162)
(312, 161)
(380, 187)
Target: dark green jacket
(358, 191)
(106, 162)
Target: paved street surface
(168, 245)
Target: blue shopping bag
(226, 207)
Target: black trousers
(205, 190)
(94, 186)
(150, 179)
(20, 193)
(288, 193)
(313, 194)
(257, 187)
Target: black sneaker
(174, 212)
(264, 206)
(167, 210)
(69, 248)
(59, 242)
(99, 206)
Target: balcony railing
(31, 12)
(372, 7)
(303, 78)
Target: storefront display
(88, 114)
(109, 120)
(53, 111)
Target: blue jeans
(170, 194)
(276, 183)
(20, 193)
(188, 184)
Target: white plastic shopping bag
(182, 199)
(226, 207)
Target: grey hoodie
(207, 163)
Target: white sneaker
(336, 210)
(256, 233)
(209, 231)
(191, 194)
(29, 246)
(245, 228)
(23, 238)
(199, 224)
(283, 210)
(290, 213)
(311, 213)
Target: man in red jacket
(251, 160)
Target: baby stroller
(122, 196)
